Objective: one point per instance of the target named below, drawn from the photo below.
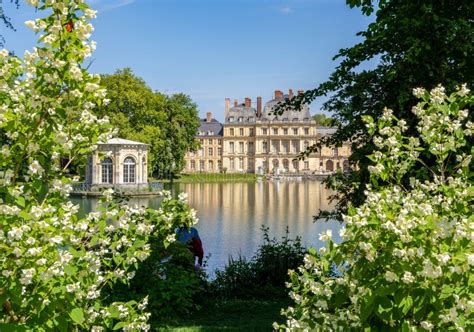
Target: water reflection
(231, 214)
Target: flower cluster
(406, 261)
(55, 263)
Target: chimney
(248, 102)
(208, 117)
(300, 92)
(259, 106)
(278, 94)
(236, 103)
(290, 94)
(227, 105)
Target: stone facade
(118, 162)
(257, 141)
(209, 156)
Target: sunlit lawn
(232, 315)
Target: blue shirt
(185, 235)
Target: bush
(407, 259)
(170, 281)
(263, 276)
(55, 262)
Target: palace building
(254, 140)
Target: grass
(214, 177)
(231, 315)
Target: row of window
(129, 170)
(202, 165)
(210, 152)
(242, 119)
(210, 141)
(266, 131)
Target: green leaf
(119, 325)
(77, 315)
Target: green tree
(324, 120)
(167, 123)
(414, 43)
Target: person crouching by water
(190, 236)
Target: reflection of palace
(257, 141)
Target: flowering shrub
(54, 264)
(407, 256)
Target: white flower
(390, 276)
(32, 25)
(426, 325)
(326, 236)
(90, 14)
(470, 259)
(408, 278)
(463, 90)
(35, 168)
(419, 92)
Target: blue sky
(212, 49)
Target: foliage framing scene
(404, 256)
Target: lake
(231, 214)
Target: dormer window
(251, 119)
(210, 133)
(231, 119)
(285, 120)
(241, 119)
(295, 119)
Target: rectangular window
(306, 165)
(334, 152)
(201, 165)
(219, 165)
(231, 131)
(306, 131)
(265, 147)
(241, 147)
(219, 151)
(285, 131)
(231, 147)
(251, 147)
(275, 131)
(107, 172)
(209, 152)
(264, 131)
(241, 163)
(251, 132)
(193, 165)
(210, 141)
(232, 166)
(211, 165)
(241, 131)
(295, 131)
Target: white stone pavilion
(118, 162)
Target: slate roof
(214, 127)
(325, 130)
(290, 115)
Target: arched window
(329, 166)
(129, 167)
(107, 170)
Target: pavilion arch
(129, 169)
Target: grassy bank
(231, 315)
(212, 177)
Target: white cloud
(286, 10)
